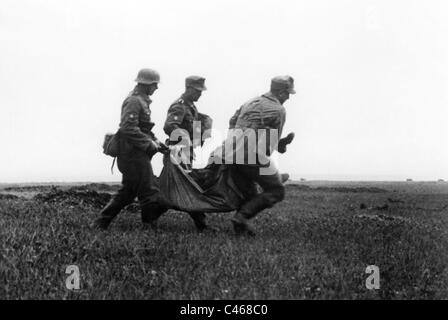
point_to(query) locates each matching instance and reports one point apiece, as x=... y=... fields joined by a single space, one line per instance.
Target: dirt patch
x=98 y=187
x=8 y=197
x=36 y=188
x=48 y=188
x=80 y=196
x=74 y=196
x=383 y=218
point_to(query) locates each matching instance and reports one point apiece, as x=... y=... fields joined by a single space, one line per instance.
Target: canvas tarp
x=211 y=189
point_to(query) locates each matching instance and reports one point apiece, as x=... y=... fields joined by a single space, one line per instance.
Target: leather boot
x=108 y=213
x=252 y=207
x=199 y=222
x=150 y=213
x=241 y=225
x=152 y=226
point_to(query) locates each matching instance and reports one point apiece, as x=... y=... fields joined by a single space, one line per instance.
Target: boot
x=107 y=215
x=241 y=225
x=150 y=213
x=252 y=207
x=199 y=222
x=152 y=226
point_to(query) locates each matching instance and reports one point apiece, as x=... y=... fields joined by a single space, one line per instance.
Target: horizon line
x=289 y=180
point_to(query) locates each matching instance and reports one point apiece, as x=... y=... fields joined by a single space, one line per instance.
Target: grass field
x=316 y=244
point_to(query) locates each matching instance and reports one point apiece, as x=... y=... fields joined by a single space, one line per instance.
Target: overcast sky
x=371 y=78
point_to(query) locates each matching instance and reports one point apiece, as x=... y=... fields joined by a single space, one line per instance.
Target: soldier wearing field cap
x=137 y=146
x=182 y=114
x=179 y=126
x=183 y=111
x=263 y=112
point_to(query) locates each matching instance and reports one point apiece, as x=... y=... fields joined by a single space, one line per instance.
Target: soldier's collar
x=270 y=96
x=190 y=103
x=139 y=92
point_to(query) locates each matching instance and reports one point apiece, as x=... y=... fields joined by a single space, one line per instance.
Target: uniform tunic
x=134 y=160
x=244 y=156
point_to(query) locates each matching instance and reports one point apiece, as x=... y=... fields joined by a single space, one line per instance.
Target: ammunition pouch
x=111 y=144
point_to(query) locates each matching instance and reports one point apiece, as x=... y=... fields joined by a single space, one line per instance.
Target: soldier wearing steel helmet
x=263 y=112
x=137 y=146
x=179 y=123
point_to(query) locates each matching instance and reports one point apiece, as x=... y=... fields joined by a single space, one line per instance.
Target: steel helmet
x=147 y=76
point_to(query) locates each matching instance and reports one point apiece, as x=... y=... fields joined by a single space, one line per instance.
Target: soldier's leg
x=151 y=201
x=123 y=197
x=273 y=192
x=199 y=219
x=151 y=212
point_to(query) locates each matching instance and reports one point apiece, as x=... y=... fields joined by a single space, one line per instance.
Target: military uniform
x=180 y=118
x=181 y=115
x=134 y=162
x=264 y=112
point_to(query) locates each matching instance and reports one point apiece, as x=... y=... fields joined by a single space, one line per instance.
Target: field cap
x=283 y=83
x=196 y=82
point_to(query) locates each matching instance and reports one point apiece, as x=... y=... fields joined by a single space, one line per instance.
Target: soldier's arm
x=159 y=144
x=206 y=121
x=151 y=134
x=174 y=118
x=232 y=121
x=206 y=127
x=129 y=128
x=173 y=121
x=282 y=116
x=286 y=140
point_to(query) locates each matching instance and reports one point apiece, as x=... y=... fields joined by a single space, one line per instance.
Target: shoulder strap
x=112 y=167
x=180 y=100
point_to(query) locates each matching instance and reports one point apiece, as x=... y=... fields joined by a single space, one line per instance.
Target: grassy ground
x=316 y=244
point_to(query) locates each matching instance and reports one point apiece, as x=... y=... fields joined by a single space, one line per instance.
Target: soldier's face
x=152 y=88
x=195 y=94
x=283 y=96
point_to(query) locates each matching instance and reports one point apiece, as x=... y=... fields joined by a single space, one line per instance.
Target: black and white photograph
x=241 y=152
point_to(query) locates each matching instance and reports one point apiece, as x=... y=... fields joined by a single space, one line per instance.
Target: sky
x=371 y=80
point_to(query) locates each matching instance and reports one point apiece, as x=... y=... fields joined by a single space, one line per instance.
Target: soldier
x=264 y=112
x=137 y=146
x=179 y=121
x=181 y=116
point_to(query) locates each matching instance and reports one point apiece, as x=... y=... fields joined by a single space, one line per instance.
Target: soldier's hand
x=152 y=148
x=282 y=148
x=163 y=148
x=289 y=138
x=284 y=142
